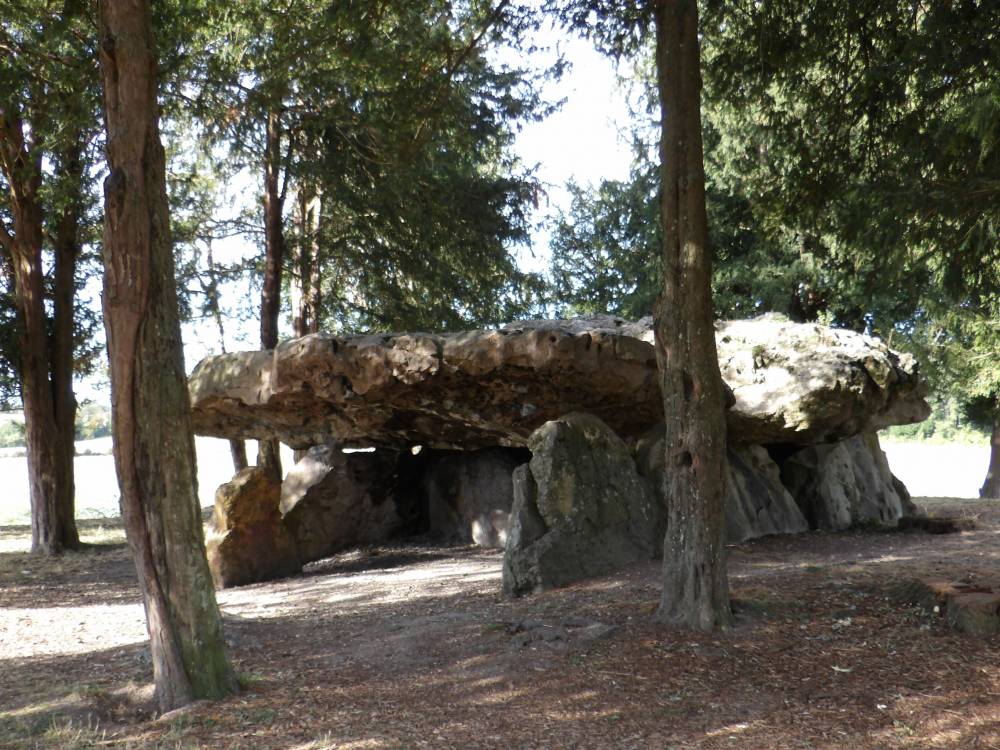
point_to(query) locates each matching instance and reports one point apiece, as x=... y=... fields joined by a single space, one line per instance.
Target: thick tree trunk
x=695 y=584
x=991 y=487
x=268 y=456
x=42 y=439
x=43 y=389
x=153 y=443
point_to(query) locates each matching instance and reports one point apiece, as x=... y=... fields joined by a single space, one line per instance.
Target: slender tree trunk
x=991 y=487
x=67 y=250
x=695 y=584
x=153 y=442
x=268 y=456
x=312 y=288
x=306 y=318
x=237 y=448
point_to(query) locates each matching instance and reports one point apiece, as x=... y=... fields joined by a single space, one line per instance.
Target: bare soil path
x=412 y=646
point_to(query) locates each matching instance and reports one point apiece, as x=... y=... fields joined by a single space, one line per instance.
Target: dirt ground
x=411 y=646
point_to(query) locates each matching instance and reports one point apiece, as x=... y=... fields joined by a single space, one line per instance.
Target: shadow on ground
x=407 y=646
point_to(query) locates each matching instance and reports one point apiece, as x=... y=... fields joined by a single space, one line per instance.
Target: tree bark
x=991 y=487
x=237 y=448
x=67 y=250
x=695 y=584
x=268 y=455
x=153 y=442
x=42 y=439
x=44 y=387
x=306 y=318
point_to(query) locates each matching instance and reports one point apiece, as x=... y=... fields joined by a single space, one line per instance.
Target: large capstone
x=580 y=508
x=807 y=383
x=793 y=384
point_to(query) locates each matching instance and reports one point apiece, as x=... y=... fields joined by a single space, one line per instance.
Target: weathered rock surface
x=792 y=383
x=249 y=543
x=331 y=500
x=580 y=508
x=844 y=483
x=806 y=383
x=470 y=493
x=467 y=390
x=757 y=503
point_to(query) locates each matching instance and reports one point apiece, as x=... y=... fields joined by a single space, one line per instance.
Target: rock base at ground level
x=845 y=483
x=757 y=503
x=248 y=542
x=967 y=607
x=469 y=494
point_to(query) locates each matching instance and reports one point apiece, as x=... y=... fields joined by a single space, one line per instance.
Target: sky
x=583 y=141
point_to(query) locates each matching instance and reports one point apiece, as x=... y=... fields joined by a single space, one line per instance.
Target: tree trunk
x=67 y=250
x=43 y=389
x=312 y=289
x=153 y=443
x=237 y=448
x=268 y=456
x=306 y=318
x=991 y=487
x=695 y=584
x=42 y=439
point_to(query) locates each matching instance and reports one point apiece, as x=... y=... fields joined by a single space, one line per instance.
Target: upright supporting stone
x=249 y=542
x=470 y=493
x=840 y=484
x=580 y=508
x=333 y=500
x=757 y=503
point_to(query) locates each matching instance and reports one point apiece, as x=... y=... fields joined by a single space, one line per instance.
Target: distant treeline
x=92 y=421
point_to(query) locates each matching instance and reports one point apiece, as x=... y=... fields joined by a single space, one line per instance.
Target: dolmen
x=544 y=438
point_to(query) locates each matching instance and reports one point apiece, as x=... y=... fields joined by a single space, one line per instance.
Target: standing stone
x=757 y=503
x=331 y=500
x=249 y=543
x=580 y=508
x=840 y=484
x=469 y=494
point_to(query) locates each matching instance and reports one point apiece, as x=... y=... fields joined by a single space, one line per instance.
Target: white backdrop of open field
x=96 y=484
x=928 y=470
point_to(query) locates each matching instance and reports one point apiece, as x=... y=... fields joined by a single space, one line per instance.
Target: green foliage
x=92 y=421
x=11 y=433
x=48 y=95
x=948 y=423
x=402 y=123
x=853 y=177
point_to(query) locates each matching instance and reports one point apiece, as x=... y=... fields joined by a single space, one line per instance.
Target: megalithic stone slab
x=791 y=383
